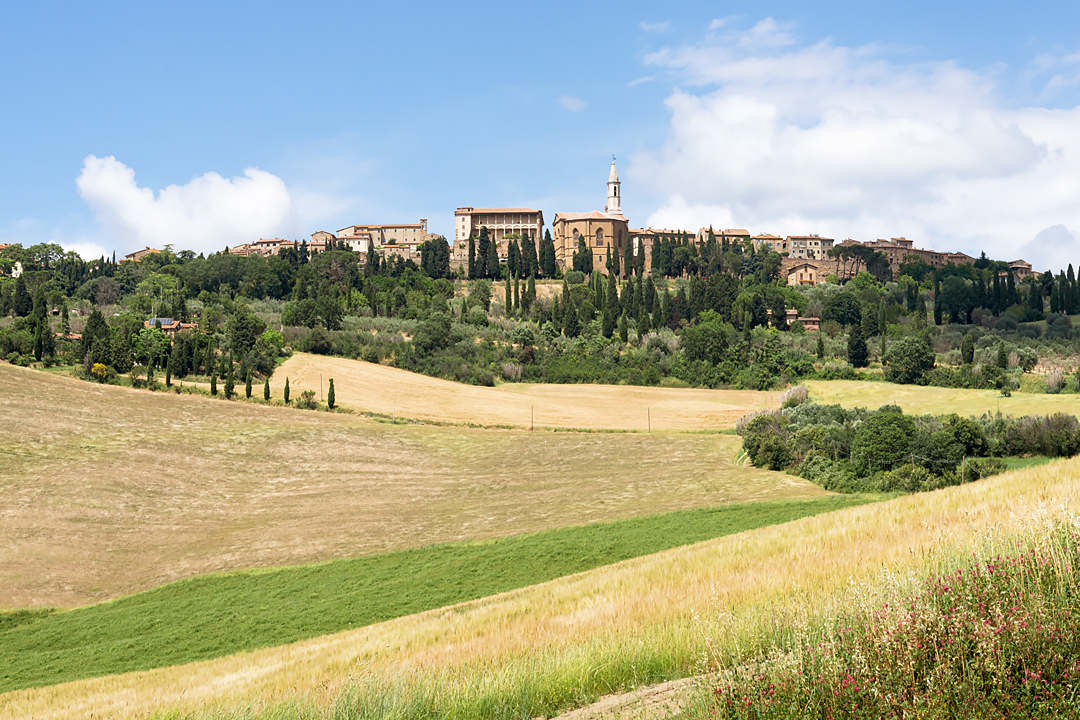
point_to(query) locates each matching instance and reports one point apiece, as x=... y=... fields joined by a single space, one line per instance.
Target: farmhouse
x=805 y=273
x=139 y=254
x=169 y=326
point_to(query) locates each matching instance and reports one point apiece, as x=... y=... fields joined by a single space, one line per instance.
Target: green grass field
x=215 y=615
x=923 y=399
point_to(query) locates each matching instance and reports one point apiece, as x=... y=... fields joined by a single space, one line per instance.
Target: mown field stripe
x=215 y=615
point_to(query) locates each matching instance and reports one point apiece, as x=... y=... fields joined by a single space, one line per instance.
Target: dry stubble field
x=381 y=389
x=107 y=490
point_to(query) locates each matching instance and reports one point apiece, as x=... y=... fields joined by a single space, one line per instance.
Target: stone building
x=810 y=247
x=603 y=231
x=502 y=225
x=1020 y=269
x=773 y=242
x=899 y=250
x=806 y=273
x=388 y=234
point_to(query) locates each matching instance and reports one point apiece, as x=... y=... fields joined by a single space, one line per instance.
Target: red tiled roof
x=492 y=211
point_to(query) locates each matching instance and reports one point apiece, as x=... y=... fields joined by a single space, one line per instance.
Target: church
x=603 y=231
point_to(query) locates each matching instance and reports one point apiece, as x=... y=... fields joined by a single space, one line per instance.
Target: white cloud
x=641 y=80
x=655 y=27
x=206 y=214
x=784 y=136
x=571 y=103
x=717 y=23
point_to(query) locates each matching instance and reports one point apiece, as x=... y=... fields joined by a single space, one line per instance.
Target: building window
x=599 y=237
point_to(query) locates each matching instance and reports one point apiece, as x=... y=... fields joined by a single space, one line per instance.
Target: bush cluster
x=887 y=451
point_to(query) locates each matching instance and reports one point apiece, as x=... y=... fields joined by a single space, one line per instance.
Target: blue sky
x=949 y=125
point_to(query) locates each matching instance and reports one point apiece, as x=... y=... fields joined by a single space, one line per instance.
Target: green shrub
x=307 y=400
x=908 y=360
x=882 y=441
x=574 y=277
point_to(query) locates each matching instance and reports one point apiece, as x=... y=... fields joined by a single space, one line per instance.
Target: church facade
x=604 y=232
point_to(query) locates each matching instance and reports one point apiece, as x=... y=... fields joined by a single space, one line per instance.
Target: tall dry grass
x=552 y=646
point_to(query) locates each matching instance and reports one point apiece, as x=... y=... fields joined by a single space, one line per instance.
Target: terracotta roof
x=491 y=211
x=735 y=231
x=766 y=236
x=594 y=215
x=386 y=225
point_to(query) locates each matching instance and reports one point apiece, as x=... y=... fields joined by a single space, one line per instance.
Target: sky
x=212 y=124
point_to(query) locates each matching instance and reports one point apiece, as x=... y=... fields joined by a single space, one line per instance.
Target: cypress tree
x=547 y=255
x=881 y=327
x=230 y=380
x=509 y=296
x=530 y=292
x=65 y=320
x=247 y=385
x=23 y=302
x=628 y=257
x=286 y=391
x=330 y=399
x=482 y=253
x=857 y=353
x=472 y=258
x=611 y=308
x=937 y=302
x=613 y=261
x=213 y=382
x=967 y=349
x=168 y=374
x=1002 y=356
x=517 y=295
x=639 y=259
x=820 y=346
x=266 y=389
x=624 y=331
x=571 y=326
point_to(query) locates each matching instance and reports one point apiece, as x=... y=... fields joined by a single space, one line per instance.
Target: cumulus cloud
x=206 y=214
x=655 y=27
x=571 y=103
x=785 y=136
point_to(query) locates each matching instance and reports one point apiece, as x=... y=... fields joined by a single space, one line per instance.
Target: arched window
x=576 y=233
x=599 y=237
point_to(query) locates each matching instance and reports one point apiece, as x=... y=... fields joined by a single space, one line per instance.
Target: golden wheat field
x=676 y=611
x=385 y=390
x=106 y=490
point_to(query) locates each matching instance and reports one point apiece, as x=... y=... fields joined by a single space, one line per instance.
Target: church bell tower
x=614 y=193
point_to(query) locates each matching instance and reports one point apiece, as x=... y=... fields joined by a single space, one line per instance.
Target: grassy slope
x=216 y=615
x=920 y=399
x=112 y=491
x=561 y=644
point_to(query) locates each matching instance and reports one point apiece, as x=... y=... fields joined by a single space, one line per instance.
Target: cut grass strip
x=216 y=615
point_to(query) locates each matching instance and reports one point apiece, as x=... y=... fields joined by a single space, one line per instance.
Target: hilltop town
x=807 y=259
